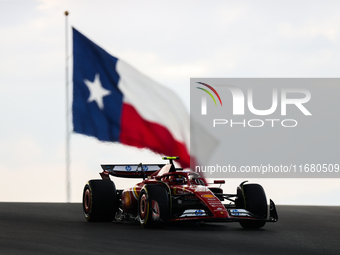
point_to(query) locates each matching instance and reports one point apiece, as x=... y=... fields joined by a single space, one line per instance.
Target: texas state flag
x=114 y=102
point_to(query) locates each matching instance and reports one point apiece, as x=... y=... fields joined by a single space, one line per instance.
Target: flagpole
x=67 y=149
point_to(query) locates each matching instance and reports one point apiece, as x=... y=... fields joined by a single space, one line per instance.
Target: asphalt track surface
x=46 y=228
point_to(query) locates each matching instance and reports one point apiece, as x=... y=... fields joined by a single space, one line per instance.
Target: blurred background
x=169 y=41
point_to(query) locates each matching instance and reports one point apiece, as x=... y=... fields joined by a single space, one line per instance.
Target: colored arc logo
x=209 y=92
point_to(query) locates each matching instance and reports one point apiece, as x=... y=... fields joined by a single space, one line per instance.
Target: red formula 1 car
x=169 y=194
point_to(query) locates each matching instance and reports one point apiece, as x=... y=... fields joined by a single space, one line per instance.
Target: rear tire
x=154 y=205
x=252 y=198
x=100 y=201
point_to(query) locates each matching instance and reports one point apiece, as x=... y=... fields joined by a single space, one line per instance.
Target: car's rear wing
x=132 y=171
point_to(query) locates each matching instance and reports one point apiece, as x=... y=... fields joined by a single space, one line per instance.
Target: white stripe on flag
x=154 y=102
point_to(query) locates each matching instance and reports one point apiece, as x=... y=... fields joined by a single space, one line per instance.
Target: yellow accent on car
x=170 y=157
x=127 y=199
x=135 y=194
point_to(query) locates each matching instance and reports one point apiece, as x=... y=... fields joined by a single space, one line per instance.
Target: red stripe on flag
x=135 y=131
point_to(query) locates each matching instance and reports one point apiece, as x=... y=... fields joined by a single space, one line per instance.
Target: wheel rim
x=143 y=207
x=87 y=201
x=155 y=210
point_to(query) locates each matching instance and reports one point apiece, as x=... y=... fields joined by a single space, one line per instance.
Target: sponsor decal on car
x=133 y=168
x=207 y=195
x=201 y=188
x=199 y=212
x=193 y=213
x=215 y=204
x=239 y=212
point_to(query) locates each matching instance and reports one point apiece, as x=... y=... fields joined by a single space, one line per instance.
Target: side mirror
x=219 y=181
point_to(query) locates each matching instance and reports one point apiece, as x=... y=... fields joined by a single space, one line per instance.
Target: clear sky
x=170 y=41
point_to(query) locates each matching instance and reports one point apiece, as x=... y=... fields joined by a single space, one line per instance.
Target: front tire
x=100 y=201
x=154 y=205
x=252 y=198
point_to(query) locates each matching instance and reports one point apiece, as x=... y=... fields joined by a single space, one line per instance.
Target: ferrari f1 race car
x=169 y=194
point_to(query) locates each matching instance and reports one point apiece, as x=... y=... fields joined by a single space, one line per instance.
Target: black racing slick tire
x=100 y=202
x=153 y=205
x=253 y=198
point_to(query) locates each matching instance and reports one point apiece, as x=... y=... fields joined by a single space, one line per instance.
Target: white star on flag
x=97 y=92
